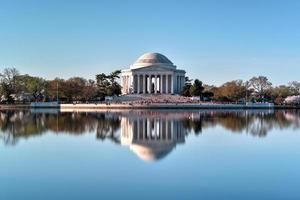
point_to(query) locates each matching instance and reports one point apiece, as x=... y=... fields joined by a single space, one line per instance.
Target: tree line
x=257 y=89
x=17 y=87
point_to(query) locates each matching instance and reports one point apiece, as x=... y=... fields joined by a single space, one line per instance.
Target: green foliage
x=34 y=85
x=197 y=88
x=186 y=88
x=107 y=85
x=281 y=91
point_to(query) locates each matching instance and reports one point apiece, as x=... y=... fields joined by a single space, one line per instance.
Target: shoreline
x=146 y=106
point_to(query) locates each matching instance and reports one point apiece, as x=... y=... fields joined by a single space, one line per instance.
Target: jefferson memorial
x=152 y=73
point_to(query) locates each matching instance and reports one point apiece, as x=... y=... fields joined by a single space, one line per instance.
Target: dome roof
x=153 y=58
x=149 y=59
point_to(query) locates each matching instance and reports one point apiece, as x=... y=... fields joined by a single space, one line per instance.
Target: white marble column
x=130 y=84
x=180 y=87
x=155 y=84
x=125 y=84
x=167 y=84
x=138 y=84
x=149 y=84
x=177 y=84
x=144 y=84
x=122 y=84
x=133 y=83
x=182 y=81
x=160 y=84
x=172 y=84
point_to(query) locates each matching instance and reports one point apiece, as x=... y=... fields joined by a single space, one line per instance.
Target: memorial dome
x=149 y=59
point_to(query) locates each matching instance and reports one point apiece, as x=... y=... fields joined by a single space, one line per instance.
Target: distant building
x=152 y=73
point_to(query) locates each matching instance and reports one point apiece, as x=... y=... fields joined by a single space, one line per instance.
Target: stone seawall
x=165 y=106
x=91 y=106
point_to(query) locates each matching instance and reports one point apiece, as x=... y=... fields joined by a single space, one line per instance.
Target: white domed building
x=152 y=73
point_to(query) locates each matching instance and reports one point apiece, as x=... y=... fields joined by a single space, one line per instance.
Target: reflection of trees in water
x=24 y=124
x=233 y=121
x=17 y=124
x=256 y=123
x=108 y=127
x=195 y=125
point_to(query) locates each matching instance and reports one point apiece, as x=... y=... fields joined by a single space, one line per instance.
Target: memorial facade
x=152 y=73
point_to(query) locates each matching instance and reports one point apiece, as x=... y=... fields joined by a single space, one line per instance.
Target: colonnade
x=153 y=83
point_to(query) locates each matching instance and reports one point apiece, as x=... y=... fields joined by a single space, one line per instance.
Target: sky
x=213 y=40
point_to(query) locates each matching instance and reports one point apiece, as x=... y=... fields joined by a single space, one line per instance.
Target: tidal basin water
x=150 y=154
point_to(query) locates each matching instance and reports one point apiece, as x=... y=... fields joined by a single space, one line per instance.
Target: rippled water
x=150 y=154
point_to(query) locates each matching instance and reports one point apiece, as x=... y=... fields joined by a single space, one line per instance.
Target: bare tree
x=8 y=82
x=260 y=84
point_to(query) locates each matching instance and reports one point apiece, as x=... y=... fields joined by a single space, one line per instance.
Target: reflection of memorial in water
x=151 y=138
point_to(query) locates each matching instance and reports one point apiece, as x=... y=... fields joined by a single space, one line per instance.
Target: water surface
x=150 y=154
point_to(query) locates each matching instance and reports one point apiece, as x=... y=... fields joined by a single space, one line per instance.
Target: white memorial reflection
x=151 y=137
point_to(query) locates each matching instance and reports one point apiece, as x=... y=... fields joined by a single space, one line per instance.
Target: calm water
x=208 y=154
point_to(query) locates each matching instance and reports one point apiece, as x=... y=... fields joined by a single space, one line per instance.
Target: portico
x=152 y=73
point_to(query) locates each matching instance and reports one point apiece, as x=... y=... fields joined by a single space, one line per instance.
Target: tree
x=8 y=80
x=74 y=88
x=282 y=91
x=107 y=84
x=36 y=86
x=186 y=88
x=231 y=91
x=197 y=88
x=90 y=91
x=9 y=76
x=6 y=91
x=260 y=84
x=115 y=87
x=208 y=95
x=102 y=84
x=114 y=75
x=295 y=87
x=55 y=89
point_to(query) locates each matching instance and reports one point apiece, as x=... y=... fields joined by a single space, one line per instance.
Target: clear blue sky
x=215 y=41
